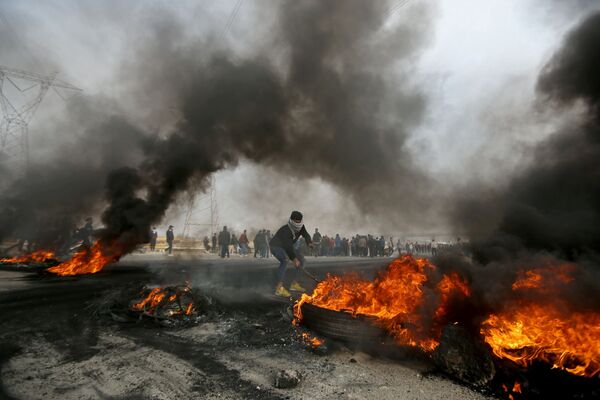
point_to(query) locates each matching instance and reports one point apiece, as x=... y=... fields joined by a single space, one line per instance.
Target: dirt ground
x=54 y=344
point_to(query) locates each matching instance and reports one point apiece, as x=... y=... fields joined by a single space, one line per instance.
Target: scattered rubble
x=287 y=379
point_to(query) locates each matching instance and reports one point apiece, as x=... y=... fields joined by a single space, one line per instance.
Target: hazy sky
x=478 y=72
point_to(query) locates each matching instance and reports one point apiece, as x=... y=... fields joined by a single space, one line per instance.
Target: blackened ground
x=58 y=342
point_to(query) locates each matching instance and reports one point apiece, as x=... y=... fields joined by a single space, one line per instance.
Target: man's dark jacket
x=170 y=236
x=285 y=239
x=224 y=238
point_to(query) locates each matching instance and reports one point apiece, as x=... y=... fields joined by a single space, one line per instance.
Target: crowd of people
x=226 y=243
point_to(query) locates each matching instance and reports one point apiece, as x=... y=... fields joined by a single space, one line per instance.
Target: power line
x=232 y=16
x=393 y=9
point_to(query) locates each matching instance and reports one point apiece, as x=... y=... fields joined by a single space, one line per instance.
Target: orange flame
x=516 y=387
x=312 y=341
x=87 y=261
x=393 y=299
x=158 y=297
x=526 y=330
x=525 y=333
x=36 y=256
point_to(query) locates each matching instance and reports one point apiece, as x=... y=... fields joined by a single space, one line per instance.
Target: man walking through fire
x=282 y=247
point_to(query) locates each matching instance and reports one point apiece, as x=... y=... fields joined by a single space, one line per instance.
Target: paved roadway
x=18 y=288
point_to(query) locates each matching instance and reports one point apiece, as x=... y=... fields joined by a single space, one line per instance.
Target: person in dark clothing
x=170 y=239
x=214 y=243
x=153 y=238
x=264 y=244
x=243 y=244
x=282 y=247
x=224 y=242
x=258 y=240
x=206 y=243
x=234 y=243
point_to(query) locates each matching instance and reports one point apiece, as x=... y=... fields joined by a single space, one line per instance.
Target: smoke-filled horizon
x=330 y=94
x=324 y=111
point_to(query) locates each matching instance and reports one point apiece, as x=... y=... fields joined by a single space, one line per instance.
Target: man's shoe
x=295 y=286
x=281 y=291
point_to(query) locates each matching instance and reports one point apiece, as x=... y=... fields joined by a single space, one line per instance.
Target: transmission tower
x=14 y=140
x=192 y=218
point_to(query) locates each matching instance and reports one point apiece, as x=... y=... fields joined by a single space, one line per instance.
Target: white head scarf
x=295 y=227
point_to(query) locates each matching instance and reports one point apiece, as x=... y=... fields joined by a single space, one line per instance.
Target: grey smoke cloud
x=329 y=111
x=553 y=205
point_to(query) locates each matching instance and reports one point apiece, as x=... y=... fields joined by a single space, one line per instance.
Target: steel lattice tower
x=14 y=140
x=210 y=196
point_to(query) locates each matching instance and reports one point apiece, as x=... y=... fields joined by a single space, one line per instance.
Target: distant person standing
x=317 y=242
x=153 y=238
x=362 y=245
x=258 y=239
x=214 y=242
x=337 y=245
x=206 y=243
x=170 y=238
x=243 y=241
x=234 y=243
x=267 y=241
x=224 y=241
x=264 y=244
x=434 y=247
x=282 y=248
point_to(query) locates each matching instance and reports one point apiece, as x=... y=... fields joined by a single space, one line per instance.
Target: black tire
x=341 y=325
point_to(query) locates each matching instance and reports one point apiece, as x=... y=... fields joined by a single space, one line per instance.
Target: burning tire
x=341 y=325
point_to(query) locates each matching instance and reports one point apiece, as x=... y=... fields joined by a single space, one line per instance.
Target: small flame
x=159 y=297
x=36 y=256
x=88 y=261
x=516 y=387
x=312 y=341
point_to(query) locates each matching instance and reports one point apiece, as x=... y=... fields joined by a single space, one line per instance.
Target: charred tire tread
x=340 y=325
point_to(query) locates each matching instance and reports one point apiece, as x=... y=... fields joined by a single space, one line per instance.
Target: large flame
x=88 y=261
x=529 y=329
x=534 y=324
x=36 y=256
x=394 y=299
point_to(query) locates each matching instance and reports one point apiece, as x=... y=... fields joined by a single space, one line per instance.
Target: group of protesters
x=226 y=243
x=358 y=245
x=432 y=248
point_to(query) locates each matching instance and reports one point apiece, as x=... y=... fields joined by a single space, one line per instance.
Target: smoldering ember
x=316 y=199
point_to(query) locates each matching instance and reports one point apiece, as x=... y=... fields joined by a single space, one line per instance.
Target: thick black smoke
x=328 y=110
x=554 y=204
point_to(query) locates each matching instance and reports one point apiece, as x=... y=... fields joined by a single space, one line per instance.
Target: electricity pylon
x=209 y=196
x=14 y=140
